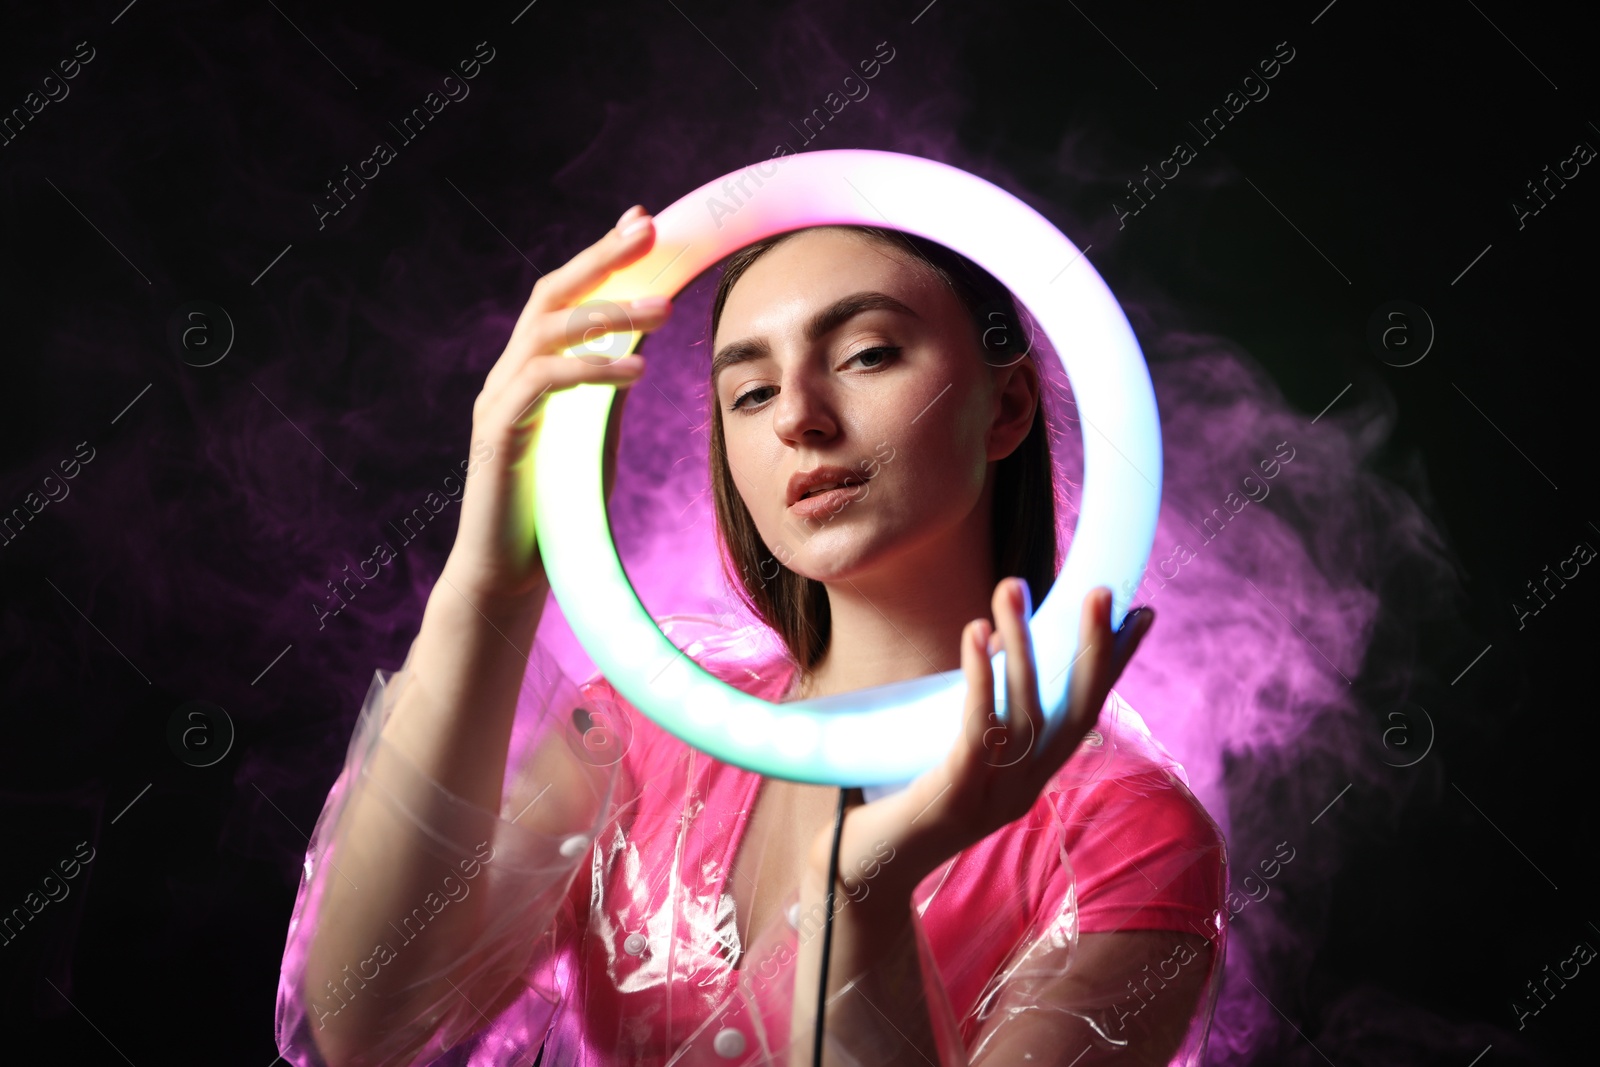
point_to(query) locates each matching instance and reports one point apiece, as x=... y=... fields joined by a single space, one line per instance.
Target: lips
x=830 y=485
x=819 y=480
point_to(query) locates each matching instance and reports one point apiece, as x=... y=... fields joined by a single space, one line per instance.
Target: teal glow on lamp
x=887 y=734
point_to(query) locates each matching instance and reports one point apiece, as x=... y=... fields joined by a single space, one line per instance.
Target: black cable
x=827 y=930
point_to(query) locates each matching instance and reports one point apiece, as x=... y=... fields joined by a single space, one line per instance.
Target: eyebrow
x=820 y=325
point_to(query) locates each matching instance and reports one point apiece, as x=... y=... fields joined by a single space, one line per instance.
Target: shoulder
x=1140 y=849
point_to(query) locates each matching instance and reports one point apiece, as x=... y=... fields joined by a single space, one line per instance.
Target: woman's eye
x=883 y=352
x=878 y=355
x=738 y=401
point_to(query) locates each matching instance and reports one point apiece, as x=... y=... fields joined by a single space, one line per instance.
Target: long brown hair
x=1024 y=501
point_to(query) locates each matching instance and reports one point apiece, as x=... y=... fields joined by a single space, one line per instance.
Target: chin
x=837 y=554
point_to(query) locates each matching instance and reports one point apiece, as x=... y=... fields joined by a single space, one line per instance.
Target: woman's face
x=835 y=350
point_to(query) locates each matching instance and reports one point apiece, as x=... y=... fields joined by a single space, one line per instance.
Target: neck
x=906 y=621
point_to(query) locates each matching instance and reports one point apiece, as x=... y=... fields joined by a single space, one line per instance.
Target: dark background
x=187 y=155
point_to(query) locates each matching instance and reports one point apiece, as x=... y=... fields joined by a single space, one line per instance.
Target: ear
x=1016 y=400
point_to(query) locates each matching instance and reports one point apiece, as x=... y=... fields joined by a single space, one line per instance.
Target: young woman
x=515 y=869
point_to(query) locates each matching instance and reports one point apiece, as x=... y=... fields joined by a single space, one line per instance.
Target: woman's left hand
x=993 y=775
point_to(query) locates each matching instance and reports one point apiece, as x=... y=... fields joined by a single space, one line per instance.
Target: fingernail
x=628 y=214
x=1021 y=596
x=649 y=304
x=635 y=227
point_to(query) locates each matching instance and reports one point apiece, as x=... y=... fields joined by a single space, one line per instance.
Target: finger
x=1130 y=635
x=1024 y=719
x=599 y=330
x=519 y=403
x=979 y=713
x=576 y=278
x=1091 y=675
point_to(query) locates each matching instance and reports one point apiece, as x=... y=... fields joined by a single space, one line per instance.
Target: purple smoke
x=1262 y=674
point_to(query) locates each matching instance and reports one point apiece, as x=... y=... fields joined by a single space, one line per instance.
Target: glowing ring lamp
x=886 y=735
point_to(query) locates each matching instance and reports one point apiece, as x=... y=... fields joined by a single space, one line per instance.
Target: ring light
x=885 y=734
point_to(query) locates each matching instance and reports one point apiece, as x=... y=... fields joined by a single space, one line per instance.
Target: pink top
x=633 y=953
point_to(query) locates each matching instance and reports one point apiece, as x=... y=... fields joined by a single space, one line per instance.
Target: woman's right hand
x=494 y=558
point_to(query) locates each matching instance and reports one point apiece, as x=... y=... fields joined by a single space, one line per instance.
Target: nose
x=802 y=412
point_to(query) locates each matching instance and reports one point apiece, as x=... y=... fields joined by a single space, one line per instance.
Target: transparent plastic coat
x=606 y=933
